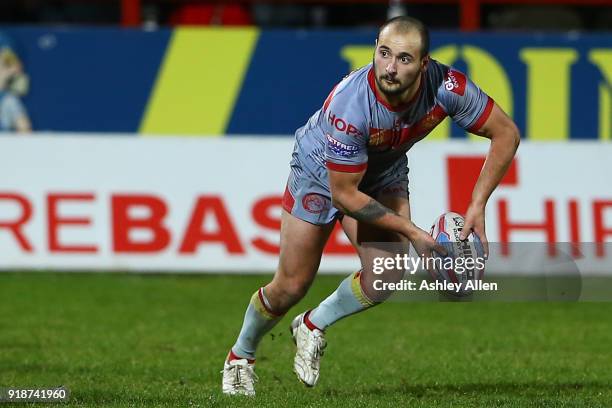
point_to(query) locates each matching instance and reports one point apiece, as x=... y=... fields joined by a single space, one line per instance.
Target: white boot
x=310 y=345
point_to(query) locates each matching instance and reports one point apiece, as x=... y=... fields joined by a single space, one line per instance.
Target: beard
x=395 y=88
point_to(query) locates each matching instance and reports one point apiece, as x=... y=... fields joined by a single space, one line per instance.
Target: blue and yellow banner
x=247 y=81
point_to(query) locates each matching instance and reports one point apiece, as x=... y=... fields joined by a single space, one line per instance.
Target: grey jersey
x=356 y=130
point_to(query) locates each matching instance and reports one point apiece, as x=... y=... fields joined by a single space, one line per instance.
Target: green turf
x=132 y=340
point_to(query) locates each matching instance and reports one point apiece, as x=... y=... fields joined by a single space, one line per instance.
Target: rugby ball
x=461 y=270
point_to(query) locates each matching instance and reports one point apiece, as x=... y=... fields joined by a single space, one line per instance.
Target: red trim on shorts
x=347 y=168
x=379 y=98
x=311 y=326
x=483 y=116
x=231 y=356
x=288 y=200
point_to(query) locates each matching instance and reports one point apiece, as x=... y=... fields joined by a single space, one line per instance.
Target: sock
x=346 y=300
x=258 y=320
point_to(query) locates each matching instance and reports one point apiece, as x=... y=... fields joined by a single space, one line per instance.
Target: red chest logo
x=383 y=139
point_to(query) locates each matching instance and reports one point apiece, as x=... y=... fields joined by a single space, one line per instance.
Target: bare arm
x=505 y=139
x=362 y=207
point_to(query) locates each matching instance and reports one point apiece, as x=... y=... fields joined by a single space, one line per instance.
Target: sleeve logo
x=455 y=82
x=341 y=149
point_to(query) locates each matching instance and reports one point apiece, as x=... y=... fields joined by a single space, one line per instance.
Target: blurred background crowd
x=591 y=15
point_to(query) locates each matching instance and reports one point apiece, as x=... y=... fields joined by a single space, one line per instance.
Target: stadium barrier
x=212 y=205
x=555 y=86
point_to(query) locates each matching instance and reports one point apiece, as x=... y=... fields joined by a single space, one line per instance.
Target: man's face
x=398 y=61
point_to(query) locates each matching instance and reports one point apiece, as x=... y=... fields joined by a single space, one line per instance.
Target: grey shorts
x=308 y=197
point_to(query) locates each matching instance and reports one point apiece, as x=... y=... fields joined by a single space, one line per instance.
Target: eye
x=384 y=53
x=405 y=60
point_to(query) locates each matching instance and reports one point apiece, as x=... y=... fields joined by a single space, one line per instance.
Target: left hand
x=475 y=222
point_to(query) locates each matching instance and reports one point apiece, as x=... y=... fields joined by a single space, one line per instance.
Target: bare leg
x=301 y=247
x=356 y=293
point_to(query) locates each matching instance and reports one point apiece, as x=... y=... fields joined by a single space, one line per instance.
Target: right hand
x=425 y=245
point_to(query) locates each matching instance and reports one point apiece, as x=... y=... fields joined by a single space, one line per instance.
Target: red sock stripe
x=231 y=356
x=308 y=323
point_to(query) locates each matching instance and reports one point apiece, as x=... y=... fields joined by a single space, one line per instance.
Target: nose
x=391 y=68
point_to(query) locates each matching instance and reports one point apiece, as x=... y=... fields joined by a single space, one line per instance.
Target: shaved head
x=408 y=25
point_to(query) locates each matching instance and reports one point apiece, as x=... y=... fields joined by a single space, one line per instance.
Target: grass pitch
x=133 y=340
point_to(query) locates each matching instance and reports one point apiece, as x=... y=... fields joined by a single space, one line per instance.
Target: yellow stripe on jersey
x=199 y=81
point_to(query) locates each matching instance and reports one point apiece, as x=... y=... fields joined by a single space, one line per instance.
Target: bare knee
x=369 y=287
x=285 y=293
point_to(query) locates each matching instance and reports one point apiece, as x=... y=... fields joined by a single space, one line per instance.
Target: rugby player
x=349 y=165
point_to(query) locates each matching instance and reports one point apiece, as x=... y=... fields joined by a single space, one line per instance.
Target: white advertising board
x=100 y=202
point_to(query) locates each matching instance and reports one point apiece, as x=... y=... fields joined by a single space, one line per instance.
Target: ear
x=374 y=52
x=424 y=63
